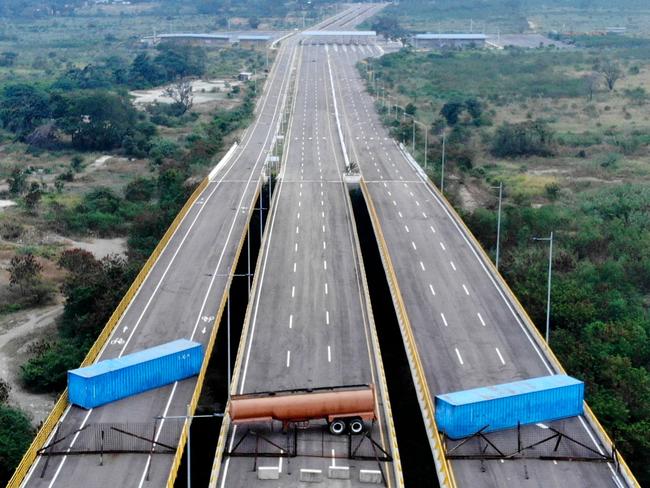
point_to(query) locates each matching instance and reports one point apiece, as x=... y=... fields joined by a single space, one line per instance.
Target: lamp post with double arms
x=550 y=270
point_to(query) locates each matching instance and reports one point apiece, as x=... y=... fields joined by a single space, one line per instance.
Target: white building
x=448 y=41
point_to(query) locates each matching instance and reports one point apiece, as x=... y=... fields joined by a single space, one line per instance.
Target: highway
x=179 y=298
x=310 y=323
x=467 y=330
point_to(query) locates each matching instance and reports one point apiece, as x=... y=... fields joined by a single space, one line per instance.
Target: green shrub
x=16 y=434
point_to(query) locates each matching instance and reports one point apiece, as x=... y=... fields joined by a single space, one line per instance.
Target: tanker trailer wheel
x=337 y=427
x=356 y=426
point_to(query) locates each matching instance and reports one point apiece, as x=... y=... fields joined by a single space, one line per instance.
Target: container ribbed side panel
x=115 y=379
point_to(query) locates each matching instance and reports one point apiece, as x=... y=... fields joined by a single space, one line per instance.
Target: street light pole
x=500 y=187
x=442 y=170
x=188 y=418
x=413 y=136
x=550 y=270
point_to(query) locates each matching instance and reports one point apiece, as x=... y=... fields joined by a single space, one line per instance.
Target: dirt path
x=17 y=332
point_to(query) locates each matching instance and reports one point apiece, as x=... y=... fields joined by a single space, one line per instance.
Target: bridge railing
x=50 y=423
x=445 y=473
x=521 y=313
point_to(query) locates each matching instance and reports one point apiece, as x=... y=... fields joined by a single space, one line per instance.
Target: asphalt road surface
x=179 y=299
x=309 y=324
x=465 y=327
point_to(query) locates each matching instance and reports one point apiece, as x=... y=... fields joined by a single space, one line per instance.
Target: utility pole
x=228 y=334
x=413 y=137
x=442 y=170
x=500 y=187
x=550 y=270
x=187 y=418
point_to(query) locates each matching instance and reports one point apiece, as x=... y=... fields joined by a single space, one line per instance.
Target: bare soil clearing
x=17 y=332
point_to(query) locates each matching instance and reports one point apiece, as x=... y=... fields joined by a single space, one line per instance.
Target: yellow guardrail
x=173 y=472
x=445 y=473
x=528 y=322
x=383 y=384
x=59 y=408
x=225 y=425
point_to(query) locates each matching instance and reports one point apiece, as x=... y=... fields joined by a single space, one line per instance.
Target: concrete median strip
x=311 y=475
x=338 y=472
x=370 y=476
x=268 y=473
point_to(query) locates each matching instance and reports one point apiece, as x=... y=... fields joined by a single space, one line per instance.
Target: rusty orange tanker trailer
x=343 y=407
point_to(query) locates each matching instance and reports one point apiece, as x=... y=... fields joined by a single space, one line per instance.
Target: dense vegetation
x=16 y=434
x=92 y=288
x=600 y=324
x=244 y=8
x=519 y=123
x=512 y=16
x=74 y=112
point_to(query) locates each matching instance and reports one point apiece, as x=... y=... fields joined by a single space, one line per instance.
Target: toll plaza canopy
x=339 y=37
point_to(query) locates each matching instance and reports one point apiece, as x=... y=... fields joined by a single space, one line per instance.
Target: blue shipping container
x=113 y=379
x=499 y=407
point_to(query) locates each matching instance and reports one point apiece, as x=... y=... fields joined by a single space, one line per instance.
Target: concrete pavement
x=309 y=321
x=466 y=328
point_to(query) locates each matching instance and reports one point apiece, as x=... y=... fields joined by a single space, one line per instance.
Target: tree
x=410 y=109
x=181 y=93
x=523 y=139
x=143 y=72
x=23 y=108
x=96 y=120
x=254 y=22
x=8 y=58
x=474 y=108
x=140 y=190
x=611 y=73
x=79 y=261
x=451 y=111
x=592 y=83
x=33 y=196
x=24 y=272
x=389 y=28
x=77 y=163
x=17 y=181
x=16 y=433
x=180 y=61
x=5 y=388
